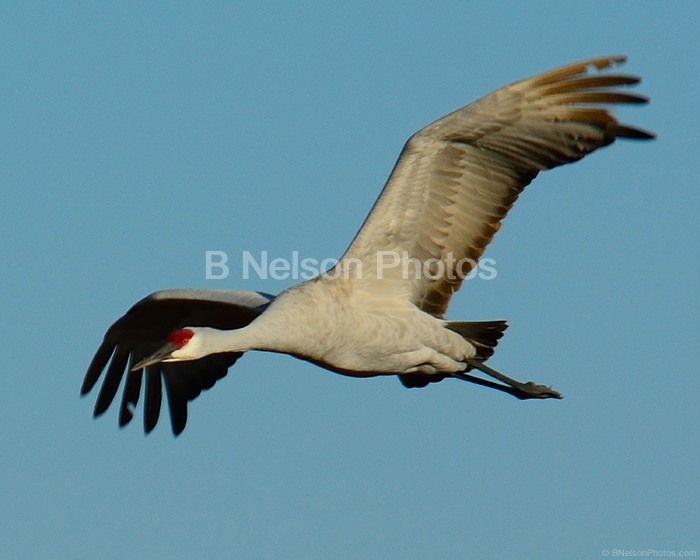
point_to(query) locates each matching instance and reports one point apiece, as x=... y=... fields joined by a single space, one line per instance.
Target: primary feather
x=457 y=178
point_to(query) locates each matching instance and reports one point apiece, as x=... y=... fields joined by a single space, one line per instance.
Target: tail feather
x=484 y=335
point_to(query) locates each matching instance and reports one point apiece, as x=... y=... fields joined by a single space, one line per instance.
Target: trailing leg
x=523 y=391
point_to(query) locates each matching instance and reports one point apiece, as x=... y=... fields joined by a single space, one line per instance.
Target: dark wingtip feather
x=112 y=380
x=632 y=133
x=98 y=363
x=130 y=397
x=177 y=402
x=154 y=398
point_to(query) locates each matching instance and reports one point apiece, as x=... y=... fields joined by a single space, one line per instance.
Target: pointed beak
x=158 y=356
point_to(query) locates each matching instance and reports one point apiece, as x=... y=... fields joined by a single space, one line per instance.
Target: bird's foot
x=532 y=390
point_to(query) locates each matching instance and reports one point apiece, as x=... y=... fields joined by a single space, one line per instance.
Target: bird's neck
x=258 y=335
x=291 y=324
x=238 y=340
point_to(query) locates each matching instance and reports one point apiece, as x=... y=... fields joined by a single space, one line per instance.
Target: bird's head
x=183 y=344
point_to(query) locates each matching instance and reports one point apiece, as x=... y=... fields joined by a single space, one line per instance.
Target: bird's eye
x=181 y=337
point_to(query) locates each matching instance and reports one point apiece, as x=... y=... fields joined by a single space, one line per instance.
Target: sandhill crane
x=451 y=187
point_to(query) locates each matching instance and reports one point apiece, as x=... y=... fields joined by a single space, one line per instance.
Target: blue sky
x=137 y=136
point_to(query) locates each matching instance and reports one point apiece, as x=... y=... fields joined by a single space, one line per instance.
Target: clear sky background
x=136 y=136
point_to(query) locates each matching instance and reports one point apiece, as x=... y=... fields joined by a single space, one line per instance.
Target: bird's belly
x=351 y=335
x=366 y=344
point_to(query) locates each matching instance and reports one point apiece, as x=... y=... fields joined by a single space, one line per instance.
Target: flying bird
x=380 y=310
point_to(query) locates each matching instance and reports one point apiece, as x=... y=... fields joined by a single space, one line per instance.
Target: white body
x=332 y=322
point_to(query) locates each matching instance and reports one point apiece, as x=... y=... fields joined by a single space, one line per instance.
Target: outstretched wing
x=145 y=328
x=457 y=178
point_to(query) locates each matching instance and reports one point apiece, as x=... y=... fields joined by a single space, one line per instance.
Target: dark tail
x=484 y=335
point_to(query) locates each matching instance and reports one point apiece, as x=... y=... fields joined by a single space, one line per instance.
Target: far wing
x=457 y=178
x=145 y=328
